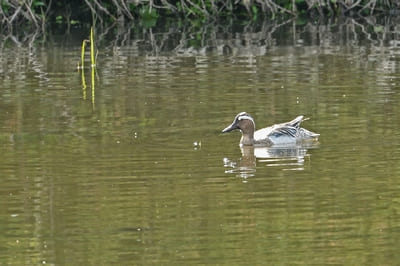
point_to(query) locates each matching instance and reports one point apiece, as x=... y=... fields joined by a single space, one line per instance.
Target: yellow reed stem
x=83 y=84
x=83 y=69
x=83 y=53
x=92 y=47
x=93 y=87
x=93 y=65
x=92 y=59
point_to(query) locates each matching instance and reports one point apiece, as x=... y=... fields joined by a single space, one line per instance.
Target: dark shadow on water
x=232 y=38
x=254 y=39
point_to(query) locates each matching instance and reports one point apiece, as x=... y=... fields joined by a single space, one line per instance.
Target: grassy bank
x=41 y=13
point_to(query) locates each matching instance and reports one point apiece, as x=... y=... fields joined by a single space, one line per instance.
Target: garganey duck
x=280 y=134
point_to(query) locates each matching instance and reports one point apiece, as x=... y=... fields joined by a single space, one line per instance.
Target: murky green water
x=139 y=173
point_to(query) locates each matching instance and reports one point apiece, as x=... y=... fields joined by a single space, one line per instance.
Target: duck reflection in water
x=290 y=157
x=282 y=145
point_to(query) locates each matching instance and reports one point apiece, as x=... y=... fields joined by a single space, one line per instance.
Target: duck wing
x=284 y=132
x=280 y=133
x=286 y=129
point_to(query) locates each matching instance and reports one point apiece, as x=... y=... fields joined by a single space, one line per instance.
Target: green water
x=120 y=177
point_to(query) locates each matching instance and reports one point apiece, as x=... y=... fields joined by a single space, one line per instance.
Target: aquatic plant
x=93 y=65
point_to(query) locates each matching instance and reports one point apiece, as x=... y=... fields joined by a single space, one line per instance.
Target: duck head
x=245 y=123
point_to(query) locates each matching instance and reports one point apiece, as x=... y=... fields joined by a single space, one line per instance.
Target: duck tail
x=304 y=133
x=307 y=134
x=296 y=122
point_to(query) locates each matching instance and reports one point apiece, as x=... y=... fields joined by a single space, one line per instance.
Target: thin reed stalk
x=93 y=65
x=92 y=55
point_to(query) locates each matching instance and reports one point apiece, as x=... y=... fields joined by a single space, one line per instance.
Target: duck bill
x=231 y=127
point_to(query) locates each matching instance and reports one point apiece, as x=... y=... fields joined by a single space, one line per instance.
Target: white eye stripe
x=244 y=117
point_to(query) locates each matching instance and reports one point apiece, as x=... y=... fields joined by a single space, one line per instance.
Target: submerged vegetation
x=39 y=14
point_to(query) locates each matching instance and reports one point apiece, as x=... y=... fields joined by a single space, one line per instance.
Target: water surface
x=136 y=171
